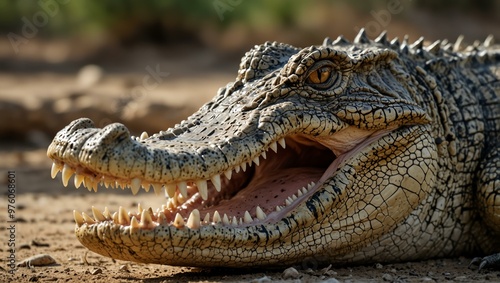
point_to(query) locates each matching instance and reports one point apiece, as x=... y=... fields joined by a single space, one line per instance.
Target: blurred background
x=149 y=64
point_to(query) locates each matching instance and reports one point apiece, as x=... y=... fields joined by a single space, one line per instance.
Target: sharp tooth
x=79 y=180
x=216 y=182
x=282 y=142
x=193 y=221
x=304 y=191
x=106 y=213
x=294 y=197
x=256 y=161
x=162 y=219
x=146 y=220
x=87 y=218
x=228 y=174
x=264 y=155
x=144 y=136
x=274 y=146
x=66 y=174
x=299 y=192
x=225 y=219
x=135 y=185
x=235 y=221
x=260 y=214
x=178 y=221
x=170 y=204
x=247 y=218
x=243 y=166
x=279 y=208
x=94 y=186
x=157 y=187
x=139 y=208
x=202 y=188
x=145 y=186
x=123 y=217
x=134 y=224
x=312 y=184
x=170 y=190
x=87 y=183
x=55 y=169
x=183 y=189
x=206 y=219
x=98 y=214
x=288 y=201
x=78 y=218
x=250 y=163
x=237 y=168
x=216 y=217
x=116 y=218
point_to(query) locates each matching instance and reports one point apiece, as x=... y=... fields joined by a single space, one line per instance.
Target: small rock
x=89 y=76
x=379 y=266
x=39 y=244
x=96 y=271
x=124 y=268
x=264 y=279
x=37 y=260
x=387 y=277
x=290 y=273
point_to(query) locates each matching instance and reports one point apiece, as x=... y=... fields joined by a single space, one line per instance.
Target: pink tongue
x=267 y=192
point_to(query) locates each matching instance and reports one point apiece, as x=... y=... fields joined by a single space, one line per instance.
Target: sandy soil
x=43 y=207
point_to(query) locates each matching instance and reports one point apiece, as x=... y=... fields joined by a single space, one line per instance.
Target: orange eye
x=320 y=76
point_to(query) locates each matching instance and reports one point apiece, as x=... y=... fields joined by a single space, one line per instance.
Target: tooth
x=225 y=219
x=183 y=189
x=279 y=208
x=161 y=218
x=78 y=218
x=216 y=217
x=206 y=219
x=256 y=161
x=55 y=169
x=235 y=221
x=264 y=155
x=216 y=182
x=116 y=218
x=144 y=136
x=282 y=142
x=228 y=174
x=98 y=214
x=139 y=208
x=260 y=214
x=145 y=186
x=202 y=188
x=134 y=224
x=106 y=213
x=193 y=221
x=247 y=218
x=274 y=146
x=123 y=217
x=170 y=204
x=288 y=201
x=135 y=185
x=79 y=180
x=244 y=166
x=178 y=221
x=294 y=197
x=66 y=174
x=170 y=189
x=250 y=163
x=304 y=191
x=146 y=220
x=299 y=192
x=87 y=218
x=94 y=186
x=237 y=168
x=311 y=185
x=157 y=187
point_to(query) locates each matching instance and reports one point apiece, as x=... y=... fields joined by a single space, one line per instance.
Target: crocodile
x=349 y=152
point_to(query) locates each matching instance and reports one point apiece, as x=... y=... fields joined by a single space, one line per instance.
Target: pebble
x=37 y=260
x=290 y=273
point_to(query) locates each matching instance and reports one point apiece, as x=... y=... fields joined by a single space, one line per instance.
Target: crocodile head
x=311 y=153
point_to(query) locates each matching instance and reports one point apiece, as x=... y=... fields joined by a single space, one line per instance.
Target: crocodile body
x=347 y=152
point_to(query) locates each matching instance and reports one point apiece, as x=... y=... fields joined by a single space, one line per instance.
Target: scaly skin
x=341 y=153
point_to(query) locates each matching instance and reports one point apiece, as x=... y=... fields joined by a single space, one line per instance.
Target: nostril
x=116 y=132
x=82 y=123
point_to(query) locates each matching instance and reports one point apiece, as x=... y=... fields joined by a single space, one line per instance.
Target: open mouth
x=257 y=191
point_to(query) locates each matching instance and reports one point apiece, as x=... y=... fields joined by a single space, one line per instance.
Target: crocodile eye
x=322 y=75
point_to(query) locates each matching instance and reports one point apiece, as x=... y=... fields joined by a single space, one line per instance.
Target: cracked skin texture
x=344 y=153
